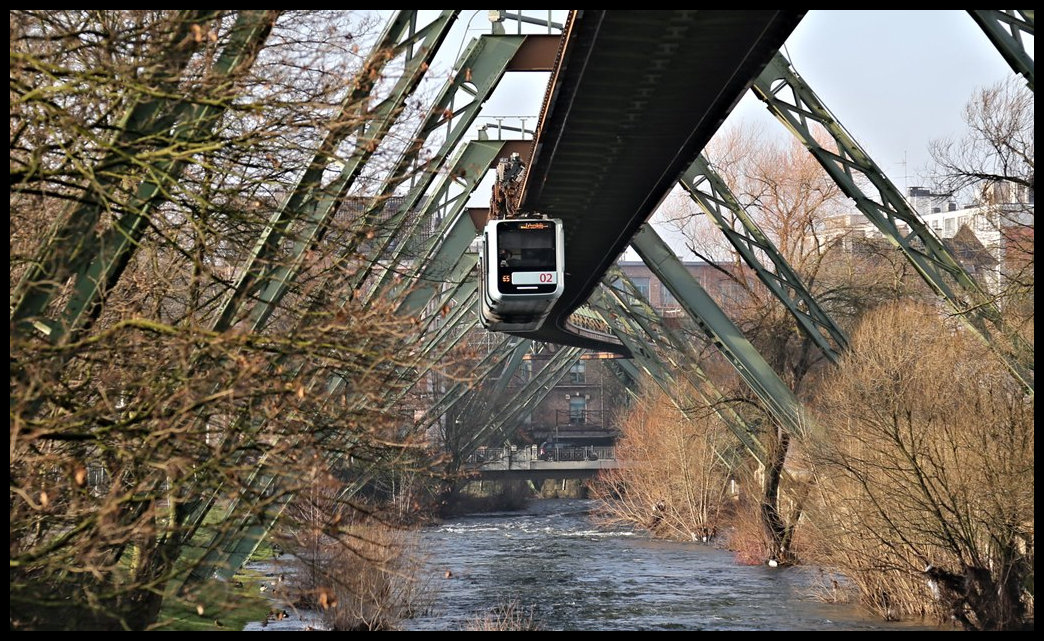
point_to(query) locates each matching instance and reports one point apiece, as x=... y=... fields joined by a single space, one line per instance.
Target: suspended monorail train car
x=523 y=272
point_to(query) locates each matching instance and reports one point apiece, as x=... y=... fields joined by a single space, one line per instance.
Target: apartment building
x=988 y=236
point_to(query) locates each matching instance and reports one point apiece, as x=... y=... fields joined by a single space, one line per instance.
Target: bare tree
x=993 y=164
x=676 y=481
x=150 y=150
x=925 y=472
x=791 y=198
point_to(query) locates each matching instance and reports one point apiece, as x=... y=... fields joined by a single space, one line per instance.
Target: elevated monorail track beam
x=633 y=101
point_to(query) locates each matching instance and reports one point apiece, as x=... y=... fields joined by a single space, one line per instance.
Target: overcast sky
x=894 y=79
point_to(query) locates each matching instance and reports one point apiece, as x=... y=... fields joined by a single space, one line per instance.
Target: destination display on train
x=536 y=225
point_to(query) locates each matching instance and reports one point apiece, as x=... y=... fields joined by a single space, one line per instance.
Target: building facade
x=987 y=236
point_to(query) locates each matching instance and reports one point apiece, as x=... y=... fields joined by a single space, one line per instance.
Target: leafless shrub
x=925 y=468
x=508 y=617
x=675 y=480
x=352 y=565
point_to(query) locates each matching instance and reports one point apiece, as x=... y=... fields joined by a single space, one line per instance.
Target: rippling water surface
x=552 y=561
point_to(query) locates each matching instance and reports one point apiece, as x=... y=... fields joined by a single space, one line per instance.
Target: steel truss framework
x=435 y=270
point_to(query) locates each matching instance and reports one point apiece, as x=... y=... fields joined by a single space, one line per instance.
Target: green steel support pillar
x=333 y=386
x=534 y=390
x=761 y=378
x=1005 y=28
x=629 y=323
x=713 y=196
x=456 y=392
x=448 y=335
x=478 y=72
x=443 y=262
x=797 y=107
x=307 y=209
x=460 y=317
x=621 y=311
x=626 y=372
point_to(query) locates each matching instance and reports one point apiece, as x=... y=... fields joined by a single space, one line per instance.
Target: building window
x=728 y=292
x=948 y=228
x=667 y=299
x=578 y=373
x=642 y=283
x=577 y=409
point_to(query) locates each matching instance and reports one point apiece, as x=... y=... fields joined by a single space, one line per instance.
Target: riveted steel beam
x=715 y=198
x=1005 y=29
x=627 y=327
x=451 y=331
x=438 y=116
x=453 y=394
x=791 y=100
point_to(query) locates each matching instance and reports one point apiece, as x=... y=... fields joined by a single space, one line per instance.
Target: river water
x=553 y=564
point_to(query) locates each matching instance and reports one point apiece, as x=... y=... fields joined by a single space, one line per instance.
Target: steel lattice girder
x=488 y=62
x=708 y=189
x=790 y=99
x=98 y=263
x=534 y=390
x=621 y=313
x=443 y=261
x=221 y=562
x=307 y=210
x=479 y=71
x=1009 y=40
x=761 y=378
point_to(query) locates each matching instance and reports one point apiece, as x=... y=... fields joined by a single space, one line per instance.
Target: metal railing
x=578 y=417
x=522 y=457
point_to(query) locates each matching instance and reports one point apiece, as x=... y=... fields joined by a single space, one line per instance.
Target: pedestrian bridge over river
x=524 y=464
